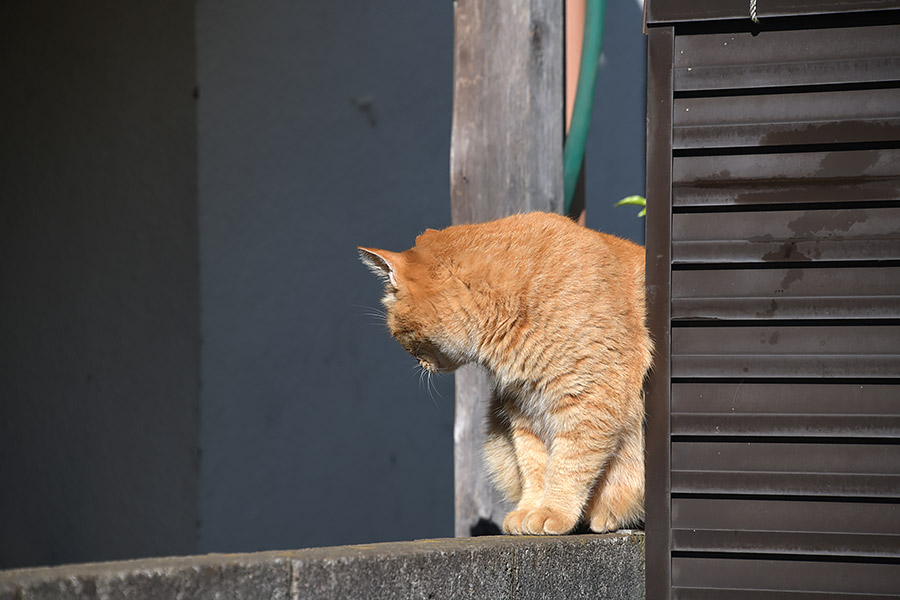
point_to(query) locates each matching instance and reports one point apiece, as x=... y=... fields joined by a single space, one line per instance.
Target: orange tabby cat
x=555 y=312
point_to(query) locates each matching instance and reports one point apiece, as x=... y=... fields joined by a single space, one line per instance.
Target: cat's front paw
x=548 y=521
x=512 y=524
x=604 y=523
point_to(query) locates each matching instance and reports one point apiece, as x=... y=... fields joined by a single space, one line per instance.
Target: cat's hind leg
x=499 y=453
x=500 y=459
x=617 y=500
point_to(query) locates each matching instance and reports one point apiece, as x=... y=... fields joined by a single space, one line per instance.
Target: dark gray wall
x=99 y=320
x=614 y=158
x=322 y=126
x=319 y=126
x=325 y=126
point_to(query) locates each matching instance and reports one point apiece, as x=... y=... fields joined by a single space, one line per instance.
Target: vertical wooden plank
x=505 y=158
x=507 y=133
x=479 y=508
x=659 y=260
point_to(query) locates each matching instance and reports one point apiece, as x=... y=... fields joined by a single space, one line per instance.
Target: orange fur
x=555 y=312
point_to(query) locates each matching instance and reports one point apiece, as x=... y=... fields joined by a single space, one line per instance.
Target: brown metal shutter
x=773 y=245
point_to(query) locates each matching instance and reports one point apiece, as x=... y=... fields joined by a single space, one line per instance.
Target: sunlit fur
x=555 y=312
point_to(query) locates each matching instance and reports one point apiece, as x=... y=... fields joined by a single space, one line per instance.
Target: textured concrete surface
x=583 y=566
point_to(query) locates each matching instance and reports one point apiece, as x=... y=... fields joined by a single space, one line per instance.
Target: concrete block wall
x=570 y=567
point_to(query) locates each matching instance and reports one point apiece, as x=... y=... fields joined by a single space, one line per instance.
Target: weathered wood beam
x=505 y=158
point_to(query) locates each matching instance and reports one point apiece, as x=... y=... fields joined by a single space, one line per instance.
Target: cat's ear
x=420 y=237
x=381 y=262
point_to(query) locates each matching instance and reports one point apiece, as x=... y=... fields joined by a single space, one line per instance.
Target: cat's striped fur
x=555 y=312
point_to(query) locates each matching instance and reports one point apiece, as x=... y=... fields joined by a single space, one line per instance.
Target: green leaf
x=634 y=201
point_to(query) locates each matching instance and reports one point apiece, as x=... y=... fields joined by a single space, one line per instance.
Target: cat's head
x=421 y=297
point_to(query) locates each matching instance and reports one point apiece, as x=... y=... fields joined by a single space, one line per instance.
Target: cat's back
x=551 y=244
x=545 y=259
x=540 y=238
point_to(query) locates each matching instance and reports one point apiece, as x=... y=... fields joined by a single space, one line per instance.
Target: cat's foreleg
x=577 y=454
x=531 y=458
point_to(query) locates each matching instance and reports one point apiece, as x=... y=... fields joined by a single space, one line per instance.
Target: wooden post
x=505 y=158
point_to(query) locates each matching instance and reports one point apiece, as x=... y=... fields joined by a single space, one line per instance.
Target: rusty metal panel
x=809 y=516
x=672 y=11
x=765 y=410
x=787 y=236
x=786 y=352
x=830 y=426
x=811 y=281
x=821 y=398
x=769 y=59
x=777 y=407
x=706 y=578
x=786 y=366
x=785 y=307
x=782 y=190
x=785 y=250
x=768 y=340
x=771 y=458
x=811 y=527
x=717 y=594
x=844 y=224
x=787 y=542
x=782 y=119
x=851 y=485
x=786 y=179
x=825 y=292
x=659 y=273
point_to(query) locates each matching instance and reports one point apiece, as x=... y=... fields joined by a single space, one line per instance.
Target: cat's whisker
x=437 y=391
x=375 y=313
x=430 y=385
x=421 y=379
x=367 y=307
x=434 y=386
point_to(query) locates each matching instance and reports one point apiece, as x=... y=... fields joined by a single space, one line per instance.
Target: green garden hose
x=573 y=151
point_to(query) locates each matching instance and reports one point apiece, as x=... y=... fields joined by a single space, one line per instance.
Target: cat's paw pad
x=603 y=521
x=512 y=524
x=547 y=521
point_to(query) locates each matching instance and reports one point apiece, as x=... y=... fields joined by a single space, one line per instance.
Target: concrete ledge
x=579 y=566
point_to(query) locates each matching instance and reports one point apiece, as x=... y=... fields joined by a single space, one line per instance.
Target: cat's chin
x=433 y=366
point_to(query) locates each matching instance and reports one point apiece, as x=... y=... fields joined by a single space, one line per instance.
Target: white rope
x=753 y=11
